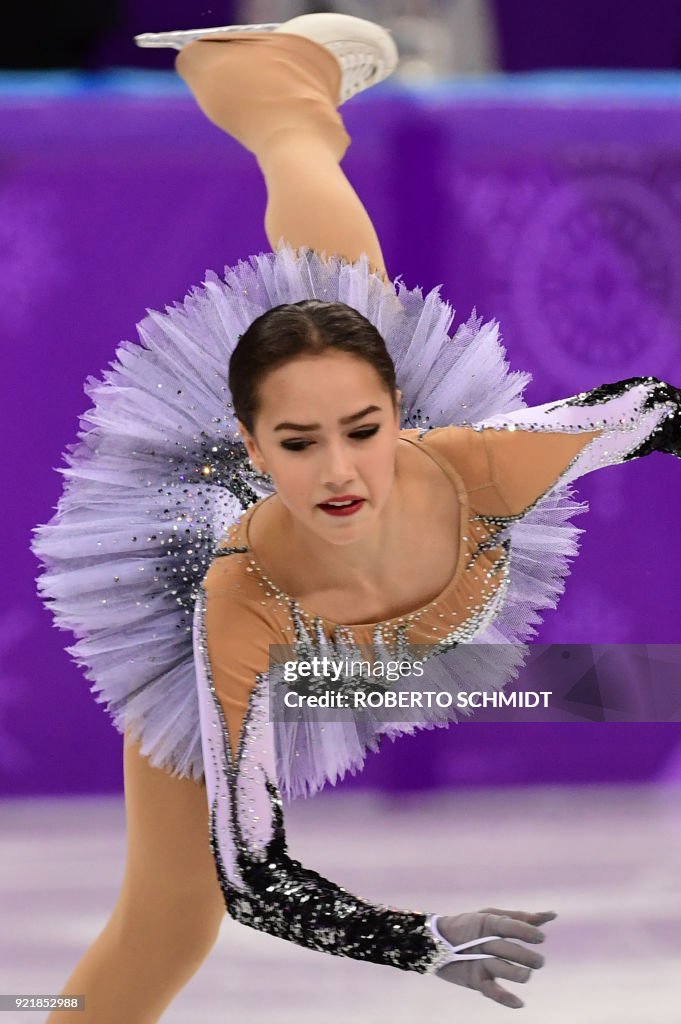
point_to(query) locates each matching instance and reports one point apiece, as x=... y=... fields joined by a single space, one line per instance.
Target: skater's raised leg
x=277 y=94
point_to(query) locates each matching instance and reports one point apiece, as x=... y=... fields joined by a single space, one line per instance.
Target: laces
x=361 y=65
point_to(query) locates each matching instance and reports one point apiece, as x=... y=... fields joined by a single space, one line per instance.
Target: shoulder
x=228 y=570
x=461 y=448
x=506 y=467
x=235 y=596
x=240 y=624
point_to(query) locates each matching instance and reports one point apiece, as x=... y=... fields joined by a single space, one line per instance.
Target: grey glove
x=493 y=956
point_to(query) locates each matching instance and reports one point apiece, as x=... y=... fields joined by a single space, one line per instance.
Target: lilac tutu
x=158 y=474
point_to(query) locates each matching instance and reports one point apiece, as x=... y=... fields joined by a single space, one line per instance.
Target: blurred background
x=526 y=156
x=435 y=37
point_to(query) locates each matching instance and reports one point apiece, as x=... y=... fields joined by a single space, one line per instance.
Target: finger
x=512 y=951
x=511 y=972
x=512 y=928
x=537 y=917
x=491 y=990
x=522 y=915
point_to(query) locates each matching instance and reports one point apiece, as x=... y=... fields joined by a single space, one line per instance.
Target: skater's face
x=326 y=428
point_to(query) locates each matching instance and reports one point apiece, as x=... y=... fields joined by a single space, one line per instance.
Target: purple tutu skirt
x=158 y=474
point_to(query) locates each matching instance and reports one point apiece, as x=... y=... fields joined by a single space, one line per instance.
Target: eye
x=357 y=435
x=361 y=435
x=295 y=446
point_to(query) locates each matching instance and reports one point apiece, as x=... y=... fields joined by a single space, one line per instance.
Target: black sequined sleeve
x=532 y=450
x=264 y=887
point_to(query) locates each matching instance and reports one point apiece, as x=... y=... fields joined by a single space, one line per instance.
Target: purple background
x=588 y=34
x=552 y=203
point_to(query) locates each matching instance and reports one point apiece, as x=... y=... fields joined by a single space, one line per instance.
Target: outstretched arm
x=277 y=94
x=264 y=886
x=516 y=458
x=531 y=451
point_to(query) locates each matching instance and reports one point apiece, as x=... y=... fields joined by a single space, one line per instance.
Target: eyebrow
x=317 y=426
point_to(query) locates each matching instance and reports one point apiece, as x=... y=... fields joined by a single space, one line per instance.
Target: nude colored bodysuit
x=501 y=469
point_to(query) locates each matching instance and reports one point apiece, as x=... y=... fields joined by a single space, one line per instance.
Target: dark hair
x=310 y=327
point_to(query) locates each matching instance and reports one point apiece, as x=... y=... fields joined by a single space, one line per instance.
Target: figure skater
x=300 y=455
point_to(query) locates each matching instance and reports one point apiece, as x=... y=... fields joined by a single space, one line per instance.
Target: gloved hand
x=508 y=960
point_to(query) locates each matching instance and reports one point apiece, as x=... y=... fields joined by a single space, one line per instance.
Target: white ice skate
x=365 y=51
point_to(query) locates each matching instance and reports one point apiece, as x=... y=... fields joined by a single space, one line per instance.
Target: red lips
x=342 y=510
